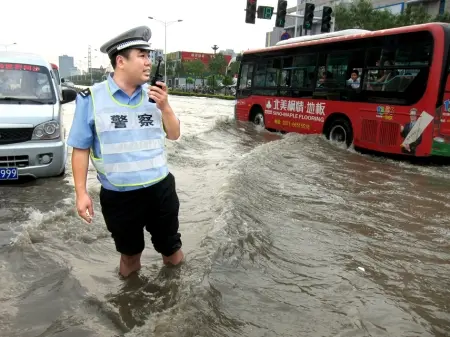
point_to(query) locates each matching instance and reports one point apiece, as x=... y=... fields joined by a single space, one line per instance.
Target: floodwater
x=284 y=235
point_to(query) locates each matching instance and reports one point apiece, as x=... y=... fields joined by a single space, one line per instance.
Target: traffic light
x=250 y=13
x=281 y=13
x=309 y=15
x=326 y=19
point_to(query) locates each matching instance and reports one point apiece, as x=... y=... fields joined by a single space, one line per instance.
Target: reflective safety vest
x=132 y=139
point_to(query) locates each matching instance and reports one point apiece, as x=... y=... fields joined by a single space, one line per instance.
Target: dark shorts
x=155 y=208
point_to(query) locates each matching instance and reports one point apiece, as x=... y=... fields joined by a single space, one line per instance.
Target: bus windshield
x=25 y=83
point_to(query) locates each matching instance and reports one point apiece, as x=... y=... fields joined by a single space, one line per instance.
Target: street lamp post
x=8 y=45
x=165 y=23
x=215 y=47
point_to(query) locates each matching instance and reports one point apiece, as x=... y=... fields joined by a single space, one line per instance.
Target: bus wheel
x=258 y=119
x=340 y=131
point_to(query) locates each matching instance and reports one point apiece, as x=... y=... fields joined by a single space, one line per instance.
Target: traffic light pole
x=318 y=18
x=296 y=20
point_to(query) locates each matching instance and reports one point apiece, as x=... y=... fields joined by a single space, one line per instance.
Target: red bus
x=387 y=90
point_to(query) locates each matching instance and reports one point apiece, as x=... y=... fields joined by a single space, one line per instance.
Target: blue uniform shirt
x=82 y=134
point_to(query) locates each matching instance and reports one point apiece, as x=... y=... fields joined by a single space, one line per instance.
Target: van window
x=25 y=83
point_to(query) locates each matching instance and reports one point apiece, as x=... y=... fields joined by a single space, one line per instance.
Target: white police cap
x=134 y=38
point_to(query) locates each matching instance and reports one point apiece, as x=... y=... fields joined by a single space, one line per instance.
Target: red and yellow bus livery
x=386 y=90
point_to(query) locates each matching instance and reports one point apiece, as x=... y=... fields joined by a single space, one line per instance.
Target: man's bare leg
x=129 y=264
x=173 y=259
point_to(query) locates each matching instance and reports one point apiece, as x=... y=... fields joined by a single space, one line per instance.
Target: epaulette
x=85 y=92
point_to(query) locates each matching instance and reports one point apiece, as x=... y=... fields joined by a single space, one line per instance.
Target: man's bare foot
x=129 y=264
x=173 y=259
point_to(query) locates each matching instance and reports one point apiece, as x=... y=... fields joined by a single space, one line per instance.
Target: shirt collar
x=115 y=88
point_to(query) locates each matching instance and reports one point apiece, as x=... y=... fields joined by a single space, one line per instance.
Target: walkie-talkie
x=157 y=78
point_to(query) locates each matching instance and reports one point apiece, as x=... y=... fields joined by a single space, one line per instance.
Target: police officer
x=124 y=134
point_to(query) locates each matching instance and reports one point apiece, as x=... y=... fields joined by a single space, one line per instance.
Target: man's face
x=138 y=66
x=354 y=76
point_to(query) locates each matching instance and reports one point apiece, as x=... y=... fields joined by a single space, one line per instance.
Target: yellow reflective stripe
x=121 y=104
x=135 y=166
x=142 y=145
x=144 y=183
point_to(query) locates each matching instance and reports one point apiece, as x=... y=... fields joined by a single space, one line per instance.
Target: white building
x=433 y=7
x=155 y=54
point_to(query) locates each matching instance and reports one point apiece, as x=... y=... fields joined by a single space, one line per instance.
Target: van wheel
x=340 y=131
x=258 y=119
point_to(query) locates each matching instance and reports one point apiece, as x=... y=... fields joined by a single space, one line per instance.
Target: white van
x=31 y=131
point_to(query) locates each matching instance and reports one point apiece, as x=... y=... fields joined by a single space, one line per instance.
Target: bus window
x=303 y=72
x=401 y=67
x=245 y=80
x=332 y=72
x=273 y=73
x=267 y=76
x=243 y=77
x=336 y=68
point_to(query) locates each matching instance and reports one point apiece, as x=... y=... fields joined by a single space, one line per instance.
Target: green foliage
x=197 y=68
x=234 y=68
x=361 y=14
x=442 y=17
x=227 y=80
x=211 y=81
x=217 y=65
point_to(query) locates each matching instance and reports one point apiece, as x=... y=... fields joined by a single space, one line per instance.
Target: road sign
x=265 y=12
x=285 y=36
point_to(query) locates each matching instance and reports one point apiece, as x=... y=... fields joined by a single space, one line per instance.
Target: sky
x=52 y=28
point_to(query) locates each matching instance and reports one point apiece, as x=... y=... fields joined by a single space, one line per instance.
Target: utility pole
x=215 y=47
x=90 y=61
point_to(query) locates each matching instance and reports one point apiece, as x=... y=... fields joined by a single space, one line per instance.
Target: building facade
x=66 y=65
x=182 y=56
x=155 y=54
x=186 y=56
x=434 y=7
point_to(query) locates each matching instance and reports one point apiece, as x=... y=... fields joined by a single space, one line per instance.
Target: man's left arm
x=170 y=121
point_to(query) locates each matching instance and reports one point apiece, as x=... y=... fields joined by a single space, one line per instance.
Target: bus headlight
x=47 y=130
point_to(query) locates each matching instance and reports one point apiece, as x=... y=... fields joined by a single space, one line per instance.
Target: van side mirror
x=62 y=80
x=69 y=95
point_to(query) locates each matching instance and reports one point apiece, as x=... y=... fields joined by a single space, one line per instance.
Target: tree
x=211 y=81
x=442 y=17
x=227 y=80
x=217 y=64
x=189 y=80
x=413 y=15
x=362 y=15
x=234 y=68
x=197 y=69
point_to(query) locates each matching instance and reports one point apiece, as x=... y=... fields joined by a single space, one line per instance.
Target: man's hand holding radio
x=159 y=95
